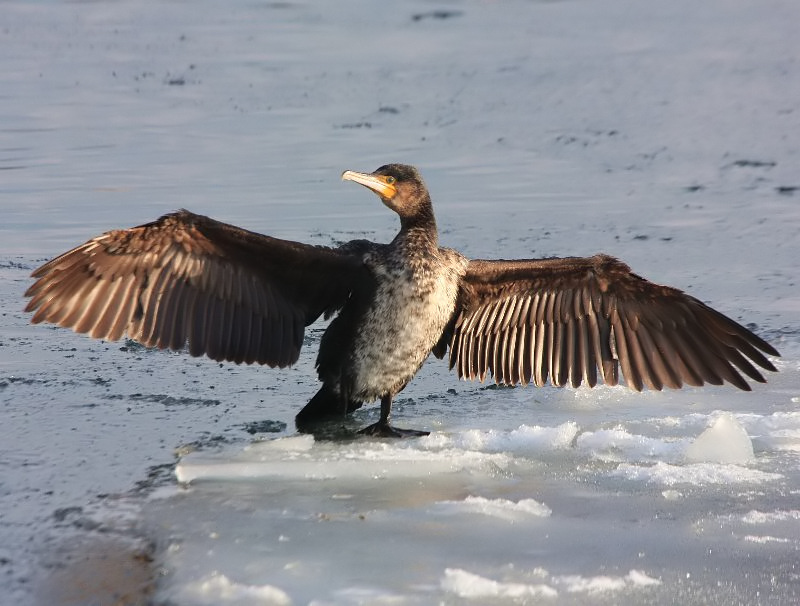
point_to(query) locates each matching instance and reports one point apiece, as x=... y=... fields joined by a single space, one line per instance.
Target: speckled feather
x=414 y=298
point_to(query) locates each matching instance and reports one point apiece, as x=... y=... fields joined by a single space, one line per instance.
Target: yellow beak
x=376 y=183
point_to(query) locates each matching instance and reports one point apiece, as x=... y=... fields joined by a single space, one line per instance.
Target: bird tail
x=325 y=406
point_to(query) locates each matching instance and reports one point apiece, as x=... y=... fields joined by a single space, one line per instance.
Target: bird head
x=399 y=186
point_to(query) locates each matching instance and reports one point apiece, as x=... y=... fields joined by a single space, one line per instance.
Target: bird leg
x=382 y=429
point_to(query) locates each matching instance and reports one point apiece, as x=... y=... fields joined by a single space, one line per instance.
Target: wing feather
x=186 y=279
x=577 y=320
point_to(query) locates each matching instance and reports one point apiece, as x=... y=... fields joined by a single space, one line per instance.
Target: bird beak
x=376 y=183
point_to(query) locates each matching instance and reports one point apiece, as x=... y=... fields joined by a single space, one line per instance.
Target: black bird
x=236 y=295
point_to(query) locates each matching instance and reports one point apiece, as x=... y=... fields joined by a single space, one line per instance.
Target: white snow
x=501 y=508
x=600 y=584
x=525 y=439
x=620 y=445
x=467 y=585
x=216 y=589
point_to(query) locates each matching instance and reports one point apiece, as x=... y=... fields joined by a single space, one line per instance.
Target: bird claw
x=384 y=430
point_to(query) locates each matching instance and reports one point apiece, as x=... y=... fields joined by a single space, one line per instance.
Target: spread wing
x=575 y=320
x=185 y=279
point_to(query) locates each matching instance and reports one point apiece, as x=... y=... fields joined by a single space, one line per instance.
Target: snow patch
x=615 y=445
x=779 y=431
x=600 y=584
x=467 y=585
x=526 y=439
x=499 y=508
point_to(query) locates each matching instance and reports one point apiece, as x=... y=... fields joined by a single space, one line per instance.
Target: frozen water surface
x=664 y=134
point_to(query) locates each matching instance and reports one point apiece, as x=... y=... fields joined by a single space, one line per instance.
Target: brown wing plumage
x=575 y=320
x=189 y=280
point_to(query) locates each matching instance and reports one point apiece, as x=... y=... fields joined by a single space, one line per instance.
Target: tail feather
x=324 y=407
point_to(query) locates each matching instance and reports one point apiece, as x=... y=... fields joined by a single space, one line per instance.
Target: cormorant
x=231 y=294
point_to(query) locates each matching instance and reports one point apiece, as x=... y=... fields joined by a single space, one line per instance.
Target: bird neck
x=421 y=220
x=417 y=242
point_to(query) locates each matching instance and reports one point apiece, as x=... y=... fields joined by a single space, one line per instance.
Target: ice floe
x=726 y=441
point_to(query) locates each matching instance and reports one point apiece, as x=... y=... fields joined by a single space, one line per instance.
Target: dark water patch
x=424 y=399
x=209 y=441
x=312 y=336
x=778 y=335
x=787 y=190
x=157 y=476
x=496 y=386
x=165 y=399
x=12 y=380
x=590 y=138
x=76 y=517
x=355 y=125
x=180 y=80
x=133 y=346
x=694 y=188
x=437 y=15
x=63 y=513
x=746 y=163
x=85 y=405
x=9 y=264
x=266 y=426
x=143 y=76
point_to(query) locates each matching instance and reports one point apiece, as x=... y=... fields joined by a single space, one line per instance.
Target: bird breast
x=414 y=300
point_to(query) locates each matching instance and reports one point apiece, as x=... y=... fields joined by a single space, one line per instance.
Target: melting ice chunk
x=725 y=441
x=218 y=589
x=467 y=585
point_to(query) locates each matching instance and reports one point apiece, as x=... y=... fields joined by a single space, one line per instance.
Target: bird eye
x=390 y=180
